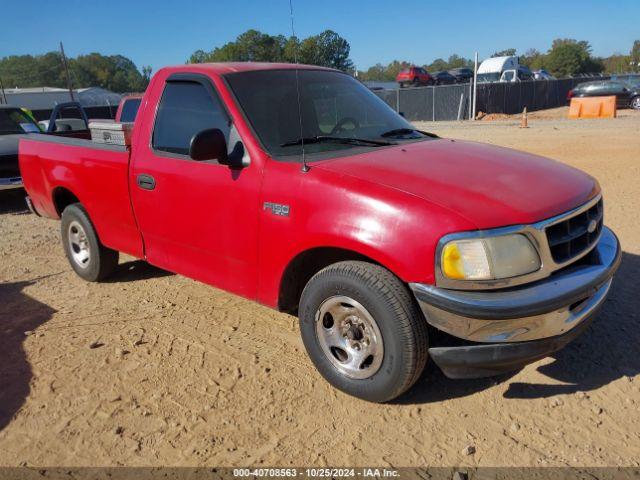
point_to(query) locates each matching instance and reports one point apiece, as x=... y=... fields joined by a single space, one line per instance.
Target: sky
x=159 y=33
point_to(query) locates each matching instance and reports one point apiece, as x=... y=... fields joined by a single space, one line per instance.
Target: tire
x=635 y=102
x=91 y=260
x=336 y=310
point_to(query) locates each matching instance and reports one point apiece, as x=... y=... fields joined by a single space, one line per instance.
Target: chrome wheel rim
x=79 y=244
x=349 y=337
x=636 y=103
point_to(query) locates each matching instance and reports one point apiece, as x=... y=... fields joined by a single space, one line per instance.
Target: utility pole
x=475 y=86
x=4 y=96
x=66 y=69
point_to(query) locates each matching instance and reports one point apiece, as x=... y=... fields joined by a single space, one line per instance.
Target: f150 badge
x=277 y=208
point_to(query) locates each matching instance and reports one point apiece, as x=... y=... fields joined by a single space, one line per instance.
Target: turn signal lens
x=466 y=260
x=489 y=258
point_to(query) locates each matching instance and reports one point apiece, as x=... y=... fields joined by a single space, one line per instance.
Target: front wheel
x=88 y=257
x=635 y=103
x=363 y=330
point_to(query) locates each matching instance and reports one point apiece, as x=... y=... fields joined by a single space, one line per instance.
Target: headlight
x=489 y=258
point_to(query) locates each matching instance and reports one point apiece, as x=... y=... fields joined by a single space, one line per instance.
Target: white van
x=503 y=69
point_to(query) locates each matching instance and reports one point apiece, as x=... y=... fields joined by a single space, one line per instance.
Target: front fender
x=395 y=229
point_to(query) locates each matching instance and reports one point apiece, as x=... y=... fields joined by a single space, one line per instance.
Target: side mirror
x=401 y=114
x=209 y=144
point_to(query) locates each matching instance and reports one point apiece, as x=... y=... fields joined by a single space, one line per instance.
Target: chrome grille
x=572 y=236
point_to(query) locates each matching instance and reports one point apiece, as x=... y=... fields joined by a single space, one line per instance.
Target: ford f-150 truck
x=295 y=186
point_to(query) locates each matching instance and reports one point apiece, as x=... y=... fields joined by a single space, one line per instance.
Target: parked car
x=462 y=75
x=542 y=74
x=14 y=124
x=443 y=78
x=414 y=76
x=128 y=108
x=626 y=95
x=296 y=187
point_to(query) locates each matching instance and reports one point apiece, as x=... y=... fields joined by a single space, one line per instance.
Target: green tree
x=509 y=52
x=617 y=63
x=635 y=56
x=326 y=49
x=376 y=72
x=437 y=65
x=570 y=57
x=456 y=61
x=115 y=72
x=533 y=59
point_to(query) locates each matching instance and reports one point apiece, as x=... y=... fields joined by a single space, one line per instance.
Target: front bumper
x=10 y=182
x=516 y=326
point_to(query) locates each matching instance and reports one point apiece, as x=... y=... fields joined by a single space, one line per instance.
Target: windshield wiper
x=405 y=131
x=344 y=140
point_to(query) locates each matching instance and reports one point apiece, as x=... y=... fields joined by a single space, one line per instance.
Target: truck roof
x=233 y=67
x=498 y=64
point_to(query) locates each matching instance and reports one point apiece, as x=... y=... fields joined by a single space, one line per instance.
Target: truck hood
x=489 y=186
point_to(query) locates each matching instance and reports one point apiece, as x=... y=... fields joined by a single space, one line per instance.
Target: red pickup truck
x=295 y=186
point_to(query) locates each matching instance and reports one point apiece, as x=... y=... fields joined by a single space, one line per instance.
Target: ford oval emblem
x=592 y=226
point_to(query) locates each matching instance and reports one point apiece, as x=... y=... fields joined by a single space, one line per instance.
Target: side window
x=186 y=108
x=507 y=76
x=130 y=110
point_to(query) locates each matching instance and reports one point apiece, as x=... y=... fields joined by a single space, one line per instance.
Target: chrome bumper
x=11 y=182
x=544 y=309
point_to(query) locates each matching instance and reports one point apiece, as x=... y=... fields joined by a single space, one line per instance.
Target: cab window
x=186 y=108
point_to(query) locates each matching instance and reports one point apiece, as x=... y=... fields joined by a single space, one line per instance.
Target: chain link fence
x=535 y=95
x=444 y=102
x=454 y=102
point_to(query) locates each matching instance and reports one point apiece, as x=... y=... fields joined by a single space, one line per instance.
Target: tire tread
x=396 y=295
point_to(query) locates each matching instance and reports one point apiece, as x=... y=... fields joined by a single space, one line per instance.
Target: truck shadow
x=135 y=270
x=19 y=313
x=12 y=201
x=607 y=351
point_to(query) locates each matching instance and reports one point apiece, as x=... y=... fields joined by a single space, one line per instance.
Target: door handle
x=146 y=181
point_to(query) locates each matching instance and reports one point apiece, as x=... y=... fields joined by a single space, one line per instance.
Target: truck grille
x=574 y=235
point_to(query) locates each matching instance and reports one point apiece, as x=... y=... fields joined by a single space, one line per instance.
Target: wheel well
x=306 y=265
x=62 y=198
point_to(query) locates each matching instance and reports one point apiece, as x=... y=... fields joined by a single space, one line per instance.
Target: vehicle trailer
x=297 y=187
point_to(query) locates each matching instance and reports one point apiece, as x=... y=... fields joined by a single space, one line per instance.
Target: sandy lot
x=155 y=369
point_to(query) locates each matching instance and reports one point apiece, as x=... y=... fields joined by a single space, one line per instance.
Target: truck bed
x=58 y=168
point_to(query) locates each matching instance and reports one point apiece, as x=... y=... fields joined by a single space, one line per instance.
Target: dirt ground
x=155 y=369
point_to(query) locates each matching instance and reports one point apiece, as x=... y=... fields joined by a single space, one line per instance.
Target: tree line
x=114 y=72
x=565 y=57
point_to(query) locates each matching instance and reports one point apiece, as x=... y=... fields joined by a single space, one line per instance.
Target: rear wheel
x=88 y=257
x=363 y=331
x=635 y=103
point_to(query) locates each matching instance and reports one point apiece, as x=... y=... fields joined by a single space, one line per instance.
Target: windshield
x=332 y=105
x=14 y=121
x=488 y=77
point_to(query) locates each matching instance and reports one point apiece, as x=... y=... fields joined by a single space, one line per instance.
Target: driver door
x=197 y=218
